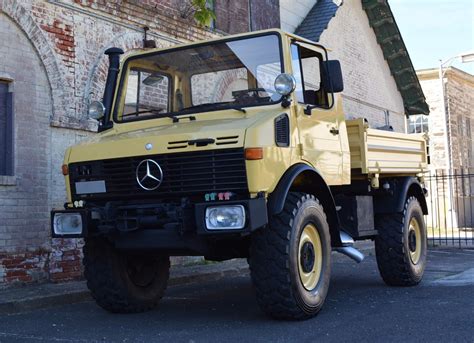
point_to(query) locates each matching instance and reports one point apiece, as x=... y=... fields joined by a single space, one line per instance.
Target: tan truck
x=238 y=147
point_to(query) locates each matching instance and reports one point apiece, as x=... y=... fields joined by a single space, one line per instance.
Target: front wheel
x=290 y=260
x=401 y=245
x=124 y=282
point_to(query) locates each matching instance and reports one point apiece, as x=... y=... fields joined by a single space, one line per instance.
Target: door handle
x=334 y=131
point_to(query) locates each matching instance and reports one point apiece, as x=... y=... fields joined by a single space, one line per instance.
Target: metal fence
x=451 y=208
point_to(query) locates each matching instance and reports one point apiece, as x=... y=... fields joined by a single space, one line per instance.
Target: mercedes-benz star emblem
x=149 y=175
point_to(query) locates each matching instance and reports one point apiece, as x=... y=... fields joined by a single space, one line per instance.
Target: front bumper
x=119 y=219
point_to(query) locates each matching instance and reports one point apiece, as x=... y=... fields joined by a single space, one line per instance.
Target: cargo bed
x=385 y=152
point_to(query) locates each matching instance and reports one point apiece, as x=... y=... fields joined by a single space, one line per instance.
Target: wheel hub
x=307 y=257
x=414 y=241
x=141 y=272
x=310 y=257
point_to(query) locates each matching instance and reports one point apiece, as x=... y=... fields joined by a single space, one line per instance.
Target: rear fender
x=401 y=190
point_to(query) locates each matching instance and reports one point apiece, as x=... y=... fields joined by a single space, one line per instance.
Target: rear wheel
x=290 y=260
x=401 y=245
x=124 y=282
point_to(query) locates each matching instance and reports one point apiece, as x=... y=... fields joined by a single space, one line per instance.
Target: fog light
x=67 y=224
x=225 y=217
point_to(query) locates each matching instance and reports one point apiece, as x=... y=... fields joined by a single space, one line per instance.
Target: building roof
x=433 y=73
x=317 y=20
x=388 y=36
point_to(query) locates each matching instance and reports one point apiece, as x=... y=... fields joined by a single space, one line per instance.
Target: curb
x=38 y=296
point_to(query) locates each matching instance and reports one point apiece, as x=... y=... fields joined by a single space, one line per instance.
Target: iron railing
x=450 y=221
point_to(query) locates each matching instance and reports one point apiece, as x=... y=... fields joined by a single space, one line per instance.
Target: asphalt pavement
x=359 y=308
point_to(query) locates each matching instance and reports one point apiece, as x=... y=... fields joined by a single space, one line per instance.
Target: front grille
x=184 y=174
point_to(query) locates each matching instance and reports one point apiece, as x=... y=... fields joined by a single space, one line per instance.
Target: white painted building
x=380 y=82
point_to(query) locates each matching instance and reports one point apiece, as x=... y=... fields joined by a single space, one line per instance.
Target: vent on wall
x=282 y=130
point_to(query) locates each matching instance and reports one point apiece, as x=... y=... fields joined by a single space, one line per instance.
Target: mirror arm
x=308 y=109
x=285 y=102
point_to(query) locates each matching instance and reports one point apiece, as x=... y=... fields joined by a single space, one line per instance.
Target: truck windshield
x=231 y=74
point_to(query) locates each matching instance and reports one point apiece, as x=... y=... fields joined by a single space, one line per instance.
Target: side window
x=307 y=67
x=311 y=73
x=295 y=62
x=146 y=91
x=6 y=129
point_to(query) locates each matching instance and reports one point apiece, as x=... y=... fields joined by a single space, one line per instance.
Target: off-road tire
x=392 y=246
x=274 y=260
x=107 y=271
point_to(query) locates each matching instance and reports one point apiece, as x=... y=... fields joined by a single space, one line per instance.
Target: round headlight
x=285 y=84
x=96 y=110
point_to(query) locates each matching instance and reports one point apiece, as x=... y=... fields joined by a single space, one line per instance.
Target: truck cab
x=237 y=147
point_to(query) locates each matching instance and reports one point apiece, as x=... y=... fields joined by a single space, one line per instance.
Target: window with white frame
x=418 y=124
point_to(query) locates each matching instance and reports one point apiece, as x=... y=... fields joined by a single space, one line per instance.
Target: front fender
x=303 y=178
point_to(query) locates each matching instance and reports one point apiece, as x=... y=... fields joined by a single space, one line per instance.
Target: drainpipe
x=447 y=144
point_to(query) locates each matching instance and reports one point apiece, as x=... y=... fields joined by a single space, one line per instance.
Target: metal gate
x=451 y=208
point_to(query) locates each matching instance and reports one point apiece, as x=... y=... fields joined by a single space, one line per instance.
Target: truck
x=238 y=147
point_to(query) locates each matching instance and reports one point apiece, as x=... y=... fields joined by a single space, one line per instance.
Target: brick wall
x=431 y=86
x=232 y=16
x=52 y=52
x=459 y=87
x=25 y=201
x=460 y=101
x=265 y=14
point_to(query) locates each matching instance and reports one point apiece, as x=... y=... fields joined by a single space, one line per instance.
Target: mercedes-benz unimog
x=238 y=147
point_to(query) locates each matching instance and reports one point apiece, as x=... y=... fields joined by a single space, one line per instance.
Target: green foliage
x=203 y=12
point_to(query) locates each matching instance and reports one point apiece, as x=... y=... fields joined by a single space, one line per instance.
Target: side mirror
x=153 y=79
x=332 y=76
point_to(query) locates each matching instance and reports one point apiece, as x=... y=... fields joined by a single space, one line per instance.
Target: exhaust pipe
x=351 y=252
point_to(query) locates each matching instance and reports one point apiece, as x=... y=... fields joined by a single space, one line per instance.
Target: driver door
x=320 y=129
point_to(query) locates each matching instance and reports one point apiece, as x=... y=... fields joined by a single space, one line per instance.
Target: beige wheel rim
x=310 y=257
x=414 y=241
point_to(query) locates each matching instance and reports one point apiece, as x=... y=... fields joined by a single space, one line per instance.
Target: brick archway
x=94 y=87
x=18 y=14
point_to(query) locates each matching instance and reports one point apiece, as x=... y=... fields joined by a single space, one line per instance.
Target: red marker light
x=65 y=169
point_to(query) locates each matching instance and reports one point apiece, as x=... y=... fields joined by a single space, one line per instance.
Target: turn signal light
x=253 y=153
x=65 y=169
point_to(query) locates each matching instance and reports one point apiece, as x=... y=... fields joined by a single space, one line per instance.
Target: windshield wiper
x=238 y=108
x=220 y=105
x=163 y=115
x=141 y=112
